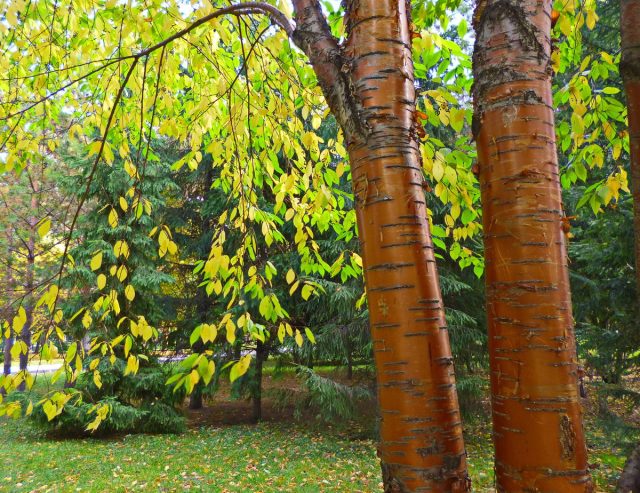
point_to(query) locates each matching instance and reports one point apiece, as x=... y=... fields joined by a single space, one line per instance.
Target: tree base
x=630 y=478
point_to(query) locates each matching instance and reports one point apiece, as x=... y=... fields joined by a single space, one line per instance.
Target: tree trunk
x=630 y=478
x=29 y=284
x=8 y=341
x=195 y=399
x=537 y=418
x=369 y=87
x=630 y=72
x=261 y=353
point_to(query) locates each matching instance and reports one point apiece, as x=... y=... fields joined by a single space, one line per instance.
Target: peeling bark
x=630 y=71
x=537 y=417
x=369 y=86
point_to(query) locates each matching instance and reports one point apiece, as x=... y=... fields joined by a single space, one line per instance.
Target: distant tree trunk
x=630 y=72
x=348 y=348
x=195 y=399
x=261 y=356
x=29 y=283
x=8 y=344
x=8 y=341
x=369 y=85
x=538 y=434
x=202 y=306
x=630 y=478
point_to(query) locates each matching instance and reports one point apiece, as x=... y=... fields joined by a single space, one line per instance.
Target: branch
x=85 y=194
x=332 y=67
x=278 y=18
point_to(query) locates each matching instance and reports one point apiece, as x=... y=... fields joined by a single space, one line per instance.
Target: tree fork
x=537 y=417
x=369 y=86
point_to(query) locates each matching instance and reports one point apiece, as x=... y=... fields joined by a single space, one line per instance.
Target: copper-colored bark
x=538 y=434
x=370 y=88
x=630 y=71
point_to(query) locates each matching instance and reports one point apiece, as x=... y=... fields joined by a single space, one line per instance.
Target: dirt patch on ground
x=283 y=401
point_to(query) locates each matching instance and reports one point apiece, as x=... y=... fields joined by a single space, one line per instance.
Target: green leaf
x=310 y=335
x=71 y=352
x=195 y=335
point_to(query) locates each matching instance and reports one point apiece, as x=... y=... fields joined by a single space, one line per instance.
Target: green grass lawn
x=280 y=455
x=266 y=457
x=270 y=457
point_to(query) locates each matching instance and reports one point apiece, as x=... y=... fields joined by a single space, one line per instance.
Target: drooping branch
x=332 y=67
x=245 y=8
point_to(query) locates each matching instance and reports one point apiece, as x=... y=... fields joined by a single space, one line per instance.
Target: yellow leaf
x=211 y=369
x=294 y=287
x=96 y=261
x=121 y=248
x=113 y=218
x=291 y=275
x=437 y=170
x=129 y=292
x=592 y=17
x=307 y=291
x=132 y=365
x=121 y=273
x=281 y=333
x=298 y=338
x=231 y=331
x=50 y=409
x=194 y=377
x=102 y=281
x=44 y=227
x=97 y=380
x=123 y=204
x=240 y=368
